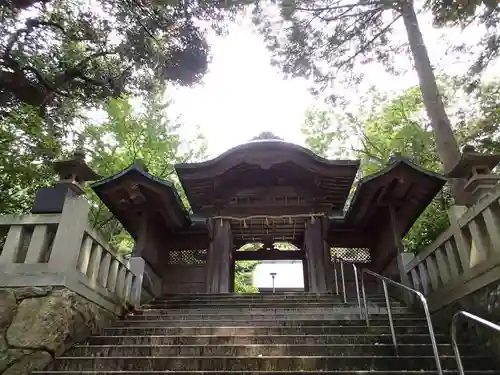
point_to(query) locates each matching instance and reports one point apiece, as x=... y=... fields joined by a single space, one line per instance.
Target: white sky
x=288 y=274
x=243 y=95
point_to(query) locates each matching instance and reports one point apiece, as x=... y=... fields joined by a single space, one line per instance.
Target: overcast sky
x=243 y=95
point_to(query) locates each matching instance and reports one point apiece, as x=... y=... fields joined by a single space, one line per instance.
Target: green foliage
x=329 y=41
x=317 y=131
x=482 y=129
x=28 y=145
x=389 y=127
x=129 y=134
x=485 y=13
x=72 y=51
x=243 y=276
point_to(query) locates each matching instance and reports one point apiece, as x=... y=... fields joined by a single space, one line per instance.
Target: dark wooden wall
x=184 y=279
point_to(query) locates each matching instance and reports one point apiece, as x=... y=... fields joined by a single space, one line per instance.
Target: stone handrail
x=61 y=250
x=104 y=268
x=468 y=250
x=28 y=238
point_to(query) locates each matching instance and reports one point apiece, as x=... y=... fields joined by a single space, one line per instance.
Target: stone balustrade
x=463 y=259
x=61 y=250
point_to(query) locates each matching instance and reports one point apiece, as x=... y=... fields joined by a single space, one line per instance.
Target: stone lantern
x=73 y=174
x=477 y=169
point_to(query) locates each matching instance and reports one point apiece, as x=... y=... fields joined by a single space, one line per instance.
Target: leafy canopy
x=129 y=134
x=54 y=51
x=485 y=16
x=327 y=40
x=390 y=126
x=243 y=276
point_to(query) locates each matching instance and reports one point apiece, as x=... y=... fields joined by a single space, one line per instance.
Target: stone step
x=262 y=310
x=277 y=295
x=217 y=339
x=265 y=295
x=261 y=363
x=344 y=314
x=266 y=307
x=363 y=372
x=262 y=304
x=237 y=301
x=254 y=350
x=268 y=329
x=351 y=294
x=266 y=321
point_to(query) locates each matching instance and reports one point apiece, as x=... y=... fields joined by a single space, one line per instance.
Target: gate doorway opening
x=258 y=267
x=289 y=276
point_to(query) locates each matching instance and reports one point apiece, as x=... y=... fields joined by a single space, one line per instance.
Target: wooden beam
x=268 y=255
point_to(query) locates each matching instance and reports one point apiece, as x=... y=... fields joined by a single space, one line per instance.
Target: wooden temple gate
x=265 y=192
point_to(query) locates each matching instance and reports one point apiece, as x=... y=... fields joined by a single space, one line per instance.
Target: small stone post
x=136 y=265
x=477 y=169
x=69 y=235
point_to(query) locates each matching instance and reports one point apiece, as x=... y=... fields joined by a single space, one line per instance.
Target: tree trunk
x=446 y=143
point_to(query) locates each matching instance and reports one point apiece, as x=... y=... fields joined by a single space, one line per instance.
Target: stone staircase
x=264 y=334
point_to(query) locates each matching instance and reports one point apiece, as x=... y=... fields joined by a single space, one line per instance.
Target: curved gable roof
x=245 y=164
x=402 y=184
x=133 y=192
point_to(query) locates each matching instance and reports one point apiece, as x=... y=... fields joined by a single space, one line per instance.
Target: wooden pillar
x=398 y=244
x=314 y=248
x=327 y=256
x=219 y=257
x=142 y=237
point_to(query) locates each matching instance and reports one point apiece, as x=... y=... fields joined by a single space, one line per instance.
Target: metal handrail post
x=365 y=302
x=389 y=313
x=343 y=280
x=453 y=329
x=431 y=329
x=355 y=269
x=336 y=278
x=426 y=310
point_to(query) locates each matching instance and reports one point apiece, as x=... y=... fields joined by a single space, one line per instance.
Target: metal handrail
x=422 y=298
x=335 y=261
x=355 y=269
x=453 y=330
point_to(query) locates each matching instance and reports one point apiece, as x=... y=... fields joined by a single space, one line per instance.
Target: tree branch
x=365 y=46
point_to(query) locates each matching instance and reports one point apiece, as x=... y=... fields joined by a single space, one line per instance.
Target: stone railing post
x=136 y=265
x=69 y=235
x=463 y=248
x=402 y=260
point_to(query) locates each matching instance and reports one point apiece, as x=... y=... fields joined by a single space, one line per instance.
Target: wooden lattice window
x=351 y=254
x=188 y=257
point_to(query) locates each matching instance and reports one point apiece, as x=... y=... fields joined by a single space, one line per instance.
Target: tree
x=243 y=276
x=54 y=51
x=329 y=39
x=391 y=126
x=129 y=134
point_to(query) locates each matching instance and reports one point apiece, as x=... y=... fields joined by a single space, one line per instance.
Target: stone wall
x=484 y=303
x=37 y=324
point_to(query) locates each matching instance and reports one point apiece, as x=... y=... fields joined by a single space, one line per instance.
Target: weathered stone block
x=32 y=291
x=29 y=362
x=38 y=323
x=485 y=303
x=8 y=305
